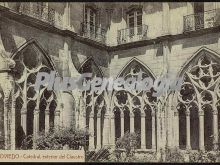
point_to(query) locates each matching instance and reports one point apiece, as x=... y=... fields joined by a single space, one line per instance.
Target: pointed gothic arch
x=137 y=103
x=34 y=110
x=136 y=60
x=89 y=65
x=39 y=47
x=95 y=104
x=196 y=55
x=199 y=99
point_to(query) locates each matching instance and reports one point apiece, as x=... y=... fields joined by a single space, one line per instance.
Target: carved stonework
x=200 y=87
x=31 y=104
x=201 y=113
x=187 y=113
x=91 y=115
x=6 y=63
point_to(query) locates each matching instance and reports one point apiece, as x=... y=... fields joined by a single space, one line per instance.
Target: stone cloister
x=188 y=119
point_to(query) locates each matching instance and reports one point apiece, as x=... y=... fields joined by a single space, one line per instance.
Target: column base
x=91 y=148
x=202 y=148
x=188 y=147
x=112 y=146
x=98 y=147
x=143 y=147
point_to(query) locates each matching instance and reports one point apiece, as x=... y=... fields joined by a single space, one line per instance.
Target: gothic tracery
x=135 y=109
x=34 y=109
x=198 y=102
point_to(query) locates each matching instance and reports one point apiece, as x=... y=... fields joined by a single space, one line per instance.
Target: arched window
x=199 y=99
x=135 y=107
x=95 y=104
x=34 y=110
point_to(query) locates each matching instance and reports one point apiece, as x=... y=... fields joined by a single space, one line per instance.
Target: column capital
x=7 y=63
x=91 y=115
x=173 y=107
x=187 y=113
x=143 y=114
x=131 y=114
x=99 y=115
x=47 y=111
x=36 y=111
x=153 y=113
x=23 y=111
x=215 y=112
x=106 y=115
x=201 y=113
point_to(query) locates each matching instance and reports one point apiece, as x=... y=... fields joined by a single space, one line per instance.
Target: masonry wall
x=151 y=55
x=67 y=54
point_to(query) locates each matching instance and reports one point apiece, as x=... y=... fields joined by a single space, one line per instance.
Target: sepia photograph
x=110 y=82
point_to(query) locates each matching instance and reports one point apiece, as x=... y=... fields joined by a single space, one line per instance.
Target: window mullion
x=135 y=23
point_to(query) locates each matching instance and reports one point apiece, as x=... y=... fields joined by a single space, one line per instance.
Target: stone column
x=169 y=128
x=8 y=101
x=56 y=119
x=153 y=130
x=6 y=120
x=2 y=139
x=176 y=115
x=112 y=130
x=76 y=117
x=47 y=120
x=13 y=125
x=91 y=131
x=98 y=145
x=143 y=131
x=215 y=129
x=106 y=130
x=122 y=124
x=131 y=122
x=84 y=120
x=35 y=127
x=82 y=114
x=24 y=119
x=36 y=122
x=158 y=115
x=188 y=145
x=201 y=130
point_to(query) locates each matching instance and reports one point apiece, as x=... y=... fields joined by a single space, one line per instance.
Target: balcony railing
x=199 y=21
x=93 y=32
x=132 y=34
x=40 y=12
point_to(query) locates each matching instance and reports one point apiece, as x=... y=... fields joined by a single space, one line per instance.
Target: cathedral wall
x=152 y=56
